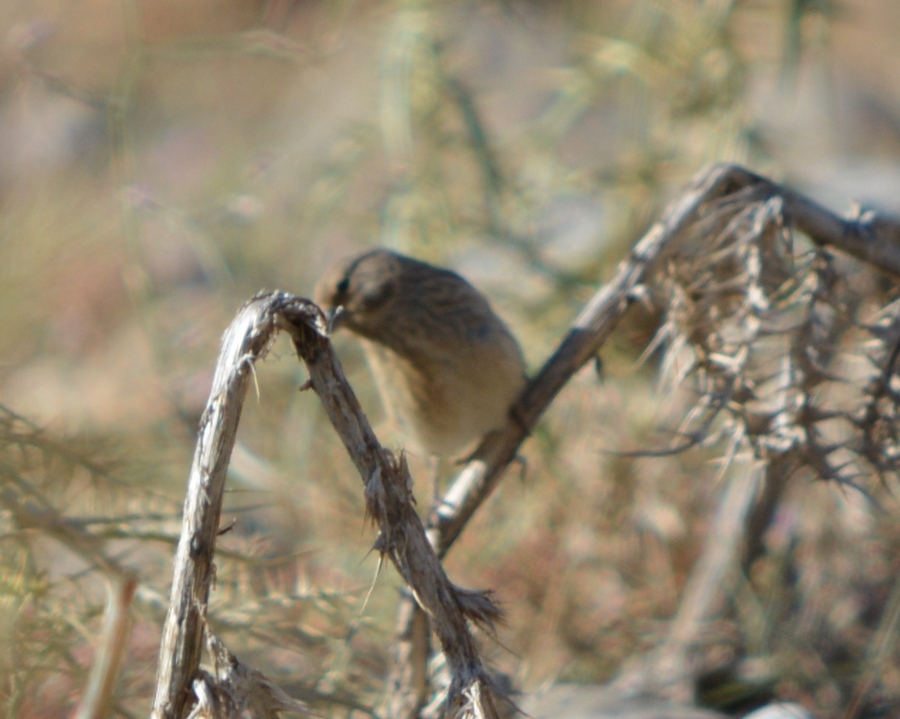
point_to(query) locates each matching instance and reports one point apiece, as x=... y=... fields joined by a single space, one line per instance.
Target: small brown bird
x=447 y=367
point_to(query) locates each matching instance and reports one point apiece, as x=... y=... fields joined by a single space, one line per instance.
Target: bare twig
x=97 y=702
x=388 y=499
x=389 y=502
x=580 y=345
x=244 y=342
x=719 y=204
x=720 y=201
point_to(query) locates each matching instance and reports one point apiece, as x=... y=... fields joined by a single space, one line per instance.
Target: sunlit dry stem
x=719 y=191
x=388 y=496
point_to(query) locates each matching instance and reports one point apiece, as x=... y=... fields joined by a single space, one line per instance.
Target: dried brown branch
x=769 y=331
x=581 y=344
x=871 y=237
x=389 y=502
x=726 y=242
x=721 y=267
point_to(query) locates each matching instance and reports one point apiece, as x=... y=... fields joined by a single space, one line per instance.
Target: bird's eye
x=343 y=286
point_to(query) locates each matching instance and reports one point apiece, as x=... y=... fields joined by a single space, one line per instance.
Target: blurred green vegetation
x=163 y=161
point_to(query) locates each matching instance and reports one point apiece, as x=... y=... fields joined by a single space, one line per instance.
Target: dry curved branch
x=871 y=237
x=580 y=345
x=243 y=343
x=723 y=202
x=389 y=502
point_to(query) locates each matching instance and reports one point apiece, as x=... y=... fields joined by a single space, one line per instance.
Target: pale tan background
x=161 y=161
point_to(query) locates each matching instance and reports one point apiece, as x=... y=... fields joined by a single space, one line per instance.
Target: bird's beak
x=334 y=318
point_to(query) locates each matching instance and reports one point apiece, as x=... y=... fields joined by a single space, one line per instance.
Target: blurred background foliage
x=162 y=161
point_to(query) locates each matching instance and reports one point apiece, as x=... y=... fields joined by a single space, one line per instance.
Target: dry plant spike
x=871 y=237
x=764 y=321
